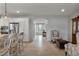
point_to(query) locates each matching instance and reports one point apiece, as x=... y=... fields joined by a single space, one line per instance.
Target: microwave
x=4 y=29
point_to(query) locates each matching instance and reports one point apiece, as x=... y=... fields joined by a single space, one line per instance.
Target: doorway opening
x=39 y=28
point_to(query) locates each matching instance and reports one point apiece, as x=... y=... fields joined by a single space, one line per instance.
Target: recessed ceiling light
x=62 y=10
x=18 y=11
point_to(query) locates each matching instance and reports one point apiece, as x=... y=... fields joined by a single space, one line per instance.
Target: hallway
x=45 y=49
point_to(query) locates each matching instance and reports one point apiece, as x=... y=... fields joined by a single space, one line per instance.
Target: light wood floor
x=41 y=48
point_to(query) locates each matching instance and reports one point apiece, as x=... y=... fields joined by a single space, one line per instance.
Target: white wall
x=60 y=23
x=23 y=25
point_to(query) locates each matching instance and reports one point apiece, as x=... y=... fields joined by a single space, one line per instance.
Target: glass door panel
x=74 y=27
x=39 y=29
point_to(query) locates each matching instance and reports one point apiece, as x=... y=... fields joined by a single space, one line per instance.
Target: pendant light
x=5 y=12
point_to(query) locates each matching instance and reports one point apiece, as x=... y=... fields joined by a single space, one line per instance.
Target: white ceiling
x=39 y=9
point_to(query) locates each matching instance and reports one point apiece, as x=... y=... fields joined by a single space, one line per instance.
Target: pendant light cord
x=5 y=10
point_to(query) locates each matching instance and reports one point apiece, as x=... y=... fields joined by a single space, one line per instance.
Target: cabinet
x=75 y=29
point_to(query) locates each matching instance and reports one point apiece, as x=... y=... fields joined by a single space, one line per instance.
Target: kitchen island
x=3 y=48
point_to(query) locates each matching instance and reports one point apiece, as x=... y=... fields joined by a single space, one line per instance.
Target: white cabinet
x=23 y=26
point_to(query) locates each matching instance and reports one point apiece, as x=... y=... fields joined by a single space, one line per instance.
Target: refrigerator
x=14 y=27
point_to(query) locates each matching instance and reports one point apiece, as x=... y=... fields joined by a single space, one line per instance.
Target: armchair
x=54 y=35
